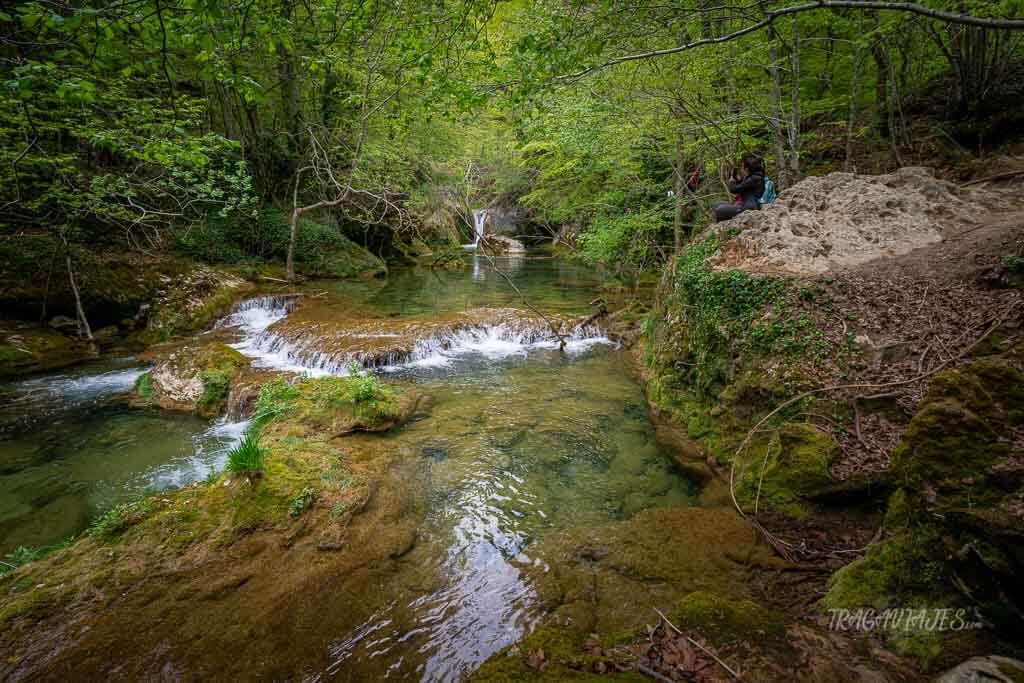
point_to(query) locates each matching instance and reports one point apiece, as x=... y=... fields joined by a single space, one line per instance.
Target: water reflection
x=512 y=452
x=484 y=267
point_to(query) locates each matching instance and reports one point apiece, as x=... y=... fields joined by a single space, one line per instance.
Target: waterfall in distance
x=479 y=217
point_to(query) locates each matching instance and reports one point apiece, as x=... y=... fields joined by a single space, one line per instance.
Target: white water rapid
x=305 y=353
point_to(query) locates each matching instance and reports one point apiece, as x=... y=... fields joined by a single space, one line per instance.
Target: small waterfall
x=302 y=351
x=257 y=314
x=479 y=218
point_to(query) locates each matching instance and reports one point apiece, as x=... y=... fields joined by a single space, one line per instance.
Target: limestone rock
x=837 y=220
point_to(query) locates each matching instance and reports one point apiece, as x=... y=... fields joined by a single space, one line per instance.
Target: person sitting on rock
x=748 y=184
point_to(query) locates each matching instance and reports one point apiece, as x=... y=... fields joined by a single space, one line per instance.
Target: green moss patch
x=793 y=468
x=962 y=427
x=726 y=620
x=336 y=405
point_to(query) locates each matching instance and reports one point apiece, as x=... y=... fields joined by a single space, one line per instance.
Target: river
x=523 y=440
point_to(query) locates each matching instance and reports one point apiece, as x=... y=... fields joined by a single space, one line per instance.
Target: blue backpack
x=769 y=195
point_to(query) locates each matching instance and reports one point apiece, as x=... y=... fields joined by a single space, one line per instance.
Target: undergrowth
x=728 y=312
x=144 y=385
x=302 y=502
x=216 y=384
x=25 y=554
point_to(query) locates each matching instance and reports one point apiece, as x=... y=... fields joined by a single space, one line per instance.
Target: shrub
x=320 y=250
x=247 y=457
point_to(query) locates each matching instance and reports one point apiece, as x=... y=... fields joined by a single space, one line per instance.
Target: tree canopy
x=131 y=122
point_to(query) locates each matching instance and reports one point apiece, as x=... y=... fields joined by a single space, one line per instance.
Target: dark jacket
x=749 y=189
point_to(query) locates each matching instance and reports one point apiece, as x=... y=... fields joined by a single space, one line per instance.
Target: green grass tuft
x=118 y=518
x=276 y=398
x=248 y=456
x=215 y=387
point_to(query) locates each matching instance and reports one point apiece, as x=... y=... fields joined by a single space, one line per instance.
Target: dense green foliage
x=201 y=125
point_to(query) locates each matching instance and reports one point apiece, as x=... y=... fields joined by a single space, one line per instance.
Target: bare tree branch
x=772 y=15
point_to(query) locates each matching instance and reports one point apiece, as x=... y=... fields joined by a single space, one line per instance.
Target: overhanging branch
x=909 y=7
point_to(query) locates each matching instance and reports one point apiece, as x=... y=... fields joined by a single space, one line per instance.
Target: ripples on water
x=523 y=441
x=512 y=452
x=70 y=448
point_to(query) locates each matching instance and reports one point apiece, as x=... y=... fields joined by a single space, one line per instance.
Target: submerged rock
x=605 y=579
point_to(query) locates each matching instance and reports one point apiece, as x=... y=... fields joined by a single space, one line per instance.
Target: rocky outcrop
x=26 y=348
x=842 y=219
x=500 y=244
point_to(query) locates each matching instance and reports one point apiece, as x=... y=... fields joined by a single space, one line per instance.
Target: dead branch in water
x=522 y=297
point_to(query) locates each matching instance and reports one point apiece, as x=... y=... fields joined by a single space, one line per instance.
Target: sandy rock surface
x=839 y=220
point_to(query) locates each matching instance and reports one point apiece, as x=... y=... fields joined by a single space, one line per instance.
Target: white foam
x=211 y=448
x=85 y=386
x=303 y=354
x=257 y=314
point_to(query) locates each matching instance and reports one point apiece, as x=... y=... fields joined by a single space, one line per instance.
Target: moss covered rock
x=963 y=426
x=196 y=376
x=338 y=405
x=27 y=348
x=726 y=620
x=794 y=468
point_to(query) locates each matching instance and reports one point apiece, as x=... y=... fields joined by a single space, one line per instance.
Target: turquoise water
x=71 y=447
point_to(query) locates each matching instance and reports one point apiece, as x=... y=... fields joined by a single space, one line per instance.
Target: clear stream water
x=522 y=441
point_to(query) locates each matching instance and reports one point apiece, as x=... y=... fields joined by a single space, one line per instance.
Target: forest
x=442 y=340
x=202 y=127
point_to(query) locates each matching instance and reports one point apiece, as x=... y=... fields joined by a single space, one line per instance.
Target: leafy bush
x=247 y=457
x=320 y=249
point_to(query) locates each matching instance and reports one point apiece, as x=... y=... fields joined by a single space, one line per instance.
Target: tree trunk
x=293 y=231
x=881 y=86
x=851 y=123
x=679 y=192
x=778 y=135
x=83 y=323
x=794 y=122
